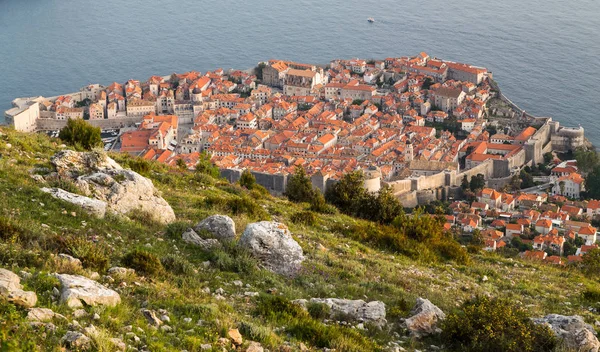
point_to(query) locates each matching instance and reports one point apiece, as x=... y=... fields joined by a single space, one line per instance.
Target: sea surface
x=544 y=54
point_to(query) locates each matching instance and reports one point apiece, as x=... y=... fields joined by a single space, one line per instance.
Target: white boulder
x=76 y=289
x=576 y=333
x=425 y=318
x=92 y=206
x=11 y=289
x=124 y=191
x=272 y=243
x=220 y=227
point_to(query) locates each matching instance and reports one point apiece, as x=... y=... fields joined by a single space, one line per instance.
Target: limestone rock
x=151 y=317
x=358 y=310
x=220 y=227
x=118 y=344
x=76 y=289
x=40 y=314
x=9 y=281
x=124 y=191
x=76 y=340
x=191 y=237
x=118 y=271
x=273 y=245
x=70 y=260
x=235 y=336
x=92 y=206
x=576 y=334
x=424 y=319
x=255 y=347
x=11 y=289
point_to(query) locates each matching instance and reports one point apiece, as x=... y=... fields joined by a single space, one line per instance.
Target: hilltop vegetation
x=205 y=293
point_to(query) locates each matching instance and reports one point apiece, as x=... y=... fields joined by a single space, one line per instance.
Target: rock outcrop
x=191 y=237
x=220 y=227
x=576 y=334
x=151 y=317
x=77 y=289
x=11 y=289
x=273 y=245
x=357 y=310
x=76 y=340
x=101 y=178
x=42 y=315
x=424 y=319
x=89 y=205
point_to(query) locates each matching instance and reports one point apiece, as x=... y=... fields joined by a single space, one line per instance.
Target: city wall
x=53 y=125
x=275 y=184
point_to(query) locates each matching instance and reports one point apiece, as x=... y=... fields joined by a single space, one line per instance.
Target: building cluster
x=394 y=114
x=544 y=223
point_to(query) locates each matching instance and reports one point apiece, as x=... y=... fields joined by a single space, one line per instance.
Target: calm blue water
x=544 y=54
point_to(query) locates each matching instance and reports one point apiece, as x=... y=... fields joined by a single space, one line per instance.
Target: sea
x=544 y=54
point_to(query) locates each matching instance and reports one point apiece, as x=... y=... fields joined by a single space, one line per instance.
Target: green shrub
x=319 y=205
x=449 y=249
x=141 y=166
x=233 y=258
x=177 y=265
x=92 y=255
x=143 y=262
x=64 y=184
x=299 y=187
x=494 y=325
x=307 y=218
x=246 y=205
x=591 y=294
x=8 y=230
x=247 y=179
x=261 y=334
x=81 y=134
x=175 y=229
x=206 y=167
x=318 y=311
x=273 y=307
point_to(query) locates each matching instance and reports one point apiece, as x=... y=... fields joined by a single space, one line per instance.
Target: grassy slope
x=346 y=269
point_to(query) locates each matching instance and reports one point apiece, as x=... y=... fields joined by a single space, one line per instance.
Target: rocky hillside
x=112 y=253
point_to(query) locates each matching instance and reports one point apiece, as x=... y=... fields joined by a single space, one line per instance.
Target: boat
x=371 y=19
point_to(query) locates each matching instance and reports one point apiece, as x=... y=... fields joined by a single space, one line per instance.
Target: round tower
x=372 y=181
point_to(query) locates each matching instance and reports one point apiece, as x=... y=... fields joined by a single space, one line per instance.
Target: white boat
x=371 y=19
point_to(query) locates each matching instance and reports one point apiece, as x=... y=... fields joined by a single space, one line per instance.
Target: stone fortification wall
x=51 y=125
x=535 y=146
x=400 y=186
x=275 y=184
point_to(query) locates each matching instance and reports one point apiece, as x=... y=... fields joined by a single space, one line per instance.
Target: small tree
x=591 y=262
x=247 y=179
x=347 y=193
x=181 y=164
x=299 y=187
x=477 y=182
x=205 y=166
x=387 y=207
x=81 y=135
x=319 y=205
x=464 y=184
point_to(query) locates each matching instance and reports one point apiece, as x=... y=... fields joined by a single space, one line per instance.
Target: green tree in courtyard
x=477 y=182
